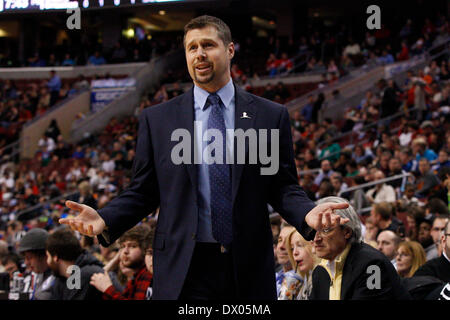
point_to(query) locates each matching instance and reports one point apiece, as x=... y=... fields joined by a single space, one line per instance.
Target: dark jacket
x=356 y=274
x=44 y=285
x=88 y=266
x=438 y=268
x=157 y=181
x=421 y=287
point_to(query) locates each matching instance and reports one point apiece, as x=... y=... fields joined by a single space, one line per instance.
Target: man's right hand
x=88 y=222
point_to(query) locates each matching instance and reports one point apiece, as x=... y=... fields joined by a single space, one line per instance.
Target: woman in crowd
x=303 y=262
x=410 y=257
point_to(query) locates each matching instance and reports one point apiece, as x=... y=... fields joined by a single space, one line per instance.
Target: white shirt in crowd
x=385 y=194
x=108 y=166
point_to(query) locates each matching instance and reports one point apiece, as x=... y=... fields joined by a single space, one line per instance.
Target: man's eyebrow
x=201 y=40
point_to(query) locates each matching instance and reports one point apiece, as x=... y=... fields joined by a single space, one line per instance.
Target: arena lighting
x=129 y=33
x=38 y=5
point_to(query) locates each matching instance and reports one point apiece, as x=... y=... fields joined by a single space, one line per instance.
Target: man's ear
x=347 y=233
x=230 y=50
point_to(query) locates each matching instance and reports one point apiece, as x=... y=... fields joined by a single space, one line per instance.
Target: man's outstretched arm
x=289 y=199
x=137 y=201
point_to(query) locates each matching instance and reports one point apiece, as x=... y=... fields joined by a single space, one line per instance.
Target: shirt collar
x=226 y=94
x=338 y=262
x=445 y=255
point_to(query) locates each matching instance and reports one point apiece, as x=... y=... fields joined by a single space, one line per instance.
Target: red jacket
x=136 y=288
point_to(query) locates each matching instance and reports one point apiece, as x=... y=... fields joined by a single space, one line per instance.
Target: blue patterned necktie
x=220 y=179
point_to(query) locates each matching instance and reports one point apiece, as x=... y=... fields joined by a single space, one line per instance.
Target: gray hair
x=353 y=224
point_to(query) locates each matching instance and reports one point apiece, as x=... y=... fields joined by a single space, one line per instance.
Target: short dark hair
x=137 y=233
x=63 y=244
x=13 y=257
x=206 y=21
x=384 y=209
x=147 y=243
x=437 y=206
x=443 y=172
x=444 y=216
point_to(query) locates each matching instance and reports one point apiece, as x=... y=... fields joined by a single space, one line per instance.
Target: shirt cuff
x=109 y=292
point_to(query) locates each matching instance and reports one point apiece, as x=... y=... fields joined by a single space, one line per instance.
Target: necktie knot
x=213 y=99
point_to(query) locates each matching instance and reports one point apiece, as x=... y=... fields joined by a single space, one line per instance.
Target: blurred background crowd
x=388 y=156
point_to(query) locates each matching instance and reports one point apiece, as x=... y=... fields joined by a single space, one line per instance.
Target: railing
x=374 y=183
x=363 y=82
x=298 y=65
x=358 y=187
x=146 y=77
x=55 y=107
x=305 y=172
x=352 y=133
x=22 y=215
x=300 y=102
x=361 y=210
x=6 y=156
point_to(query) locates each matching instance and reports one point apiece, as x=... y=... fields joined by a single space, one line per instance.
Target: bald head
x=387 y=243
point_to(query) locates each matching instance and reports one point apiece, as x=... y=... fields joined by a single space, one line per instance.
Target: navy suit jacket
x=157 y=181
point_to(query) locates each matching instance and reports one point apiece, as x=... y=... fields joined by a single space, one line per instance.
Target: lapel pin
x=245 y=116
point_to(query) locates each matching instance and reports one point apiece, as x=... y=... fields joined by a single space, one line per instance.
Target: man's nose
x=200 y=53
x=317 y=238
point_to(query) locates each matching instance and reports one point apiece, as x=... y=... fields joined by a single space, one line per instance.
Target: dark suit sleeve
x=141 y=197
x=286 y=196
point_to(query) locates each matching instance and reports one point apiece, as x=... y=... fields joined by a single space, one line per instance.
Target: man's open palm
x=88 y=222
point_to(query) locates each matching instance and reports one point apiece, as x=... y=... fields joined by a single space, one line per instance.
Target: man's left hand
x=322 y=216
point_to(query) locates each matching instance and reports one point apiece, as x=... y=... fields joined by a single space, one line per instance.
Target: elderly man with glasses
x=350 y=269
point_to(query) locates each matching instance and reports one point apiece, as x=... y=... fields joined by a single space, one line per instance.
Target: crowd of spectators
x=91 y=53
x=405 y=218
x=98 y=169
x=335 y=54
x=402 y=221
x=21 y=105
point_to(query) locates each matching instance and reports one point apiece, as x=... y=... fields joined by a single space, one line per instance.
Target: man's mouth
x=203 y=67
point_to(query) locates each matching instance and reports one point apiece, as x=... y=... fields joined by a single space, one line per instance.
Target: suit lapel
x=244 y=118
x=185 y=119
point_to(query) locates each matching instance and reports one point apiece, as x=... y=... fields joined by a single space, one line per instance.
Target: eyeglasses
x=325 y=232
x=401 y=255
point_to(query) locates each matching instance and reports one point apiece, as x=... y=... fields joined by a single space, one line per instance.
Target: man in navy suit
x=213 y=237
